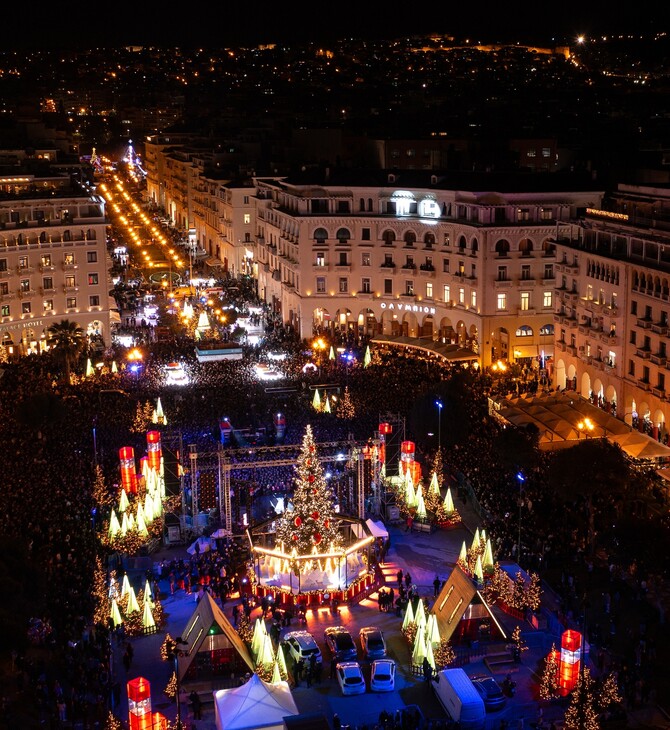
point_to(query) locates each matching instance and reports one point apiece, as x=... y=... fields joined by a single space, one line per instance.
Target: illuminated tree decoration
x=608 y=693
x=170 y=690
x=311 y=524
x=581 y=714
x=444 y=654
x=112 y=722
x=345 y=408
x=549 y=685
x=100 y=593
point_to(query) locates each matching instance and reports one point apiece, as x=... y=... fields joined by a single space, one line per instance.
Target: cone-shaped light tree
x=312 y=523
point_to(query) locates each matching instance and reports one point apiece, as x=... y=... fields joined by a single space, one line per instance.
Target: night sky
x=224 y=23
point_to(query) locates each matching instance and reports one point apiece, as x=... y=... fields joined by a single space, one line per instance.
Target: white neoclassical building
x=53 y=261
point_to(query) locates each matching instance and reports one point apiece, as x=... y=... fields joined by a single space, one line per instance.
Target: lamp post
x=439 y=405
x=585 y=426
x=174 y=652
x=521 y=479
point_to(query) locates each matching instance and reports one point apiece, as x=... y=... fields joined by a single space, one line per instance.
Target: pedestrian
x=196 y=705
x=333 y=668
x=436 y=586
x=399 y=576
x=312 y=670
x=299 y=667
x=408 y=580
x=427 y=670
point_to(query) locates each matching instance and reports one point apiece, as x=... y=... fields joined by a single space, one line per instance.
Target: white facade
x=53 y=265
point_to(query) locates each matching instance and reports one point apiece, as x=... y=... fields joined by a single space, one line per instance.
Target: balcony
x=25 y=270
x=660 y=328
x=643 y=353
x=560 y=345
x=563 y=267
x=70 y=289
x=611 y=340
x=644 y=323
x=572 y=349
x=503 y=283
x=658 y=392
x=46 y=267
x=659 y=359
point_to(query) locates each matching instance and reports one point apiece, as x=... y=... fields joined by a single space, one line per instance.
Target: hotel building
x=53 y=261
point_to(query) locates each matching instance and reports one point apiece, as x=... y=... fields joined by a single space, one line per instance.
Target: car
x=350 y=678
x=302 y=645
x=341 y=644
x=372 y=642
x=382 y=675
x=490 y=692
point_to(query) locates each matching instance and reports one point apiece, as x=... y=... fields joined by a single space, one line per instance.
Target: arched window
x=361 y=204
x=547 y=330
x=429 y=239
x=475 y=245
x=462 y=243
x=410 y=238
x=526 y=247
x=548 y=249
x=320 y=235
x=67 y=236
x=524 y=331
x=370 y=204
x=388 y=236
x=502 y=247
x=343 y=235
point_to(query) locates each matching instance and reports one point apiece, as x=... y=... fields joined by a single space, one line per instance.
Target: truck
x=459 y=698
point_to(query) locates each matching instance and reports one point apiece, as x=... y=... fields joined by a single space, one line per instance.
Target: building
x=613 y=302
x=53 y=261
x=462 y=259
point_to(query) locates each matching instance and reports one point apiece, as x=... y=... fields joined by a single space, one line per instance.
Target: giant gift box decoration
x=154 y=451
x=139 y=704
x=568 y=668
x=127 y=459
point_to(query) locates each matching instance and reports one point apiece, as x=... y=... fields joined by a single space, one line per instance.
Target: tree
x=549 y=685
x=346 y=408
x=594 y=471
x=311 y=526
x=68 y=340
x=581 y=714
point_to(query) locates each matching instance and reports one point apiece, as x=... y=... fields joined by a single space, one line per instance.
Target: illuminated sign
x=408 y=307
x=607 y=214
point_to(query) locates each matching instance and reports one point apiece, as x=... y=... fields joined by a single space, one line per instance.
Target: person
x=196 y=705
x=399 y=577
x=436 y=586
x=427 y=670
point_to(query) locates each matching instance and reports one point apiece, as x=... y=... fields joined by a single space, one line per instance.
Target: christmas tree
x=582 y=715
x=549 y=680
x=310 y=528
x=346 y=408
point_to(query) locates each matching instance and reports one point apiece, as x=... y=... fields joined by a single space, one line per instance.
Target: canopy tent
x=377 y=528
x=204 y=544
x=256 y=704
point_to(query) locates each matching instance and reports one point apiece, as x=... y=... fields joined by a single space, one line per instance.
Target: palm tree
x=68 y=340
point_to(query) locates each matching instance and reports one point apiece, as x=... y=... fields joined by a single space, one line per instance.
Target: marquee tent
x=256 y=704
x=377 y=528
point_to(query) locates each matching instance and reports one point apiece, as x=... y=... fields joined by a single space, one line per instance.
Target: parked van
x=460 y=699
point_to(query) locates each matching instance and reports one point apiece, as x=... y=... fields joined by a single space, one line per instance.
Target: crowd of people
x=55 y=434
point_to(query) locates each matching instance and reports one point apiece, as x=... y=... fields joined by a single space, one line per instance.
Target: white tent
x=377 y=528
x=256 y=704
x=204 y=543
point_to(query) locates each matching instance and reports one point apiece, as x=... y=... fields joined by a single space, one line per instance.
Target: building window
x=530 y=153
x=320 y=284
x=24 y=285
x=522 y=214
x=94 y=301
x=409 y=288
x=23 y=262
x=68 y=259
x=388 y=260
x=365 y=234
x=4 y=288
x=365 y=259
x=25 y=307
x=48 y=305
x=365 y=286
x=525 y=272
x=524 y=331
x=548 y=271
x=247 y=218
x=546 y=214
x=631 y=368
x=388 y=286
x=633 y=337
x=461 y=295
x=501 y=301
x=71 y=303
x=3 y=264
x=473 y=299
x=547 y=299
x=548 y=330
x=502 y=273
x=245 y=200
x=70 y=282
x=633 y=307
x=525 y=300
x=645 y=374
x=4 y=310
x=429 y=290
x=92 y=279
x=91 y=257
x=546 y=152
x=320 y=259
x=344 y=285
x=48 y=282
x=447 y=293
x=445 y=266
x=343 y=259
x=446 y=241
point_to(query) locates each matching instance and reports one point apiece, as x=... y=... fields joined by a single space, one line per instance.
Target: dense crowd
x=54 y=435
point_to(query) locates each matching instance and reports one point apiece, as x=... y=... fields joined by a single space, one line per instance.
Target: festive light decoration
x=608 y=693
x=570 y=660
x=409 y=616
x=139 y=704
x=444 y=654
x=581 y=714
x=316 y=400
x=154 y=450
x=549 y=687
x=133 y=605
x=345 y=408
x=127 y=460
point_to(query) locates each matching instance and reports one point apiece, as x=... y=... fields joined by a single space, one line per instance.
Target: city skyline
x=96 y=26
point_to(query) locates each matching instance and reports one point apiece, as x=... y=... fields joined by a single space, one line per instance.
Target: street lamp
x=439 y=405
x=521 y=479
x=585 y=426
x=174 y=652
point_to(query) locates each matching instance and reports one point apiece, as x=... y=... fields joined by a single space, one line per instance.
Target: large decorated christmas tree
x=311 y=527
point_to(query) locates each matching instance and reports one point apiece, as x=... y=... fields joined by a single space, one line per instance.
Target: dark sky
x=223 y=23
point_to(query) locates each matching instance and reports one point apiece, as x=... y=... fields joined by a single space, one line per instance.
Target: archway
x=343 y=320
x=586 y=386
x=367 y=323
x=598 y=390
x=473 y=338
x=390 y=325
x=321 y=320
x=559 y=375
x=499 y=344
x=446 y=333
x=572 y=378
x=427 y=327
x=410 y=325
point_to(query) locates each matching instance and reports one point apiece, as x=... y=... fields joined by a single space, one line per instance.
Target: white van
x=459 y=698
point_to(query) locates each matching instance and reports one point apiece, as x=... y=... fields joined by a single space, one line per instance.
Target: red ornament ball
x=297 y=522
x=310 y=478
x=326 y=524
x=308 y=462
x=315 y=515
x=295 y=537
x=317 y=538
x=312 y=449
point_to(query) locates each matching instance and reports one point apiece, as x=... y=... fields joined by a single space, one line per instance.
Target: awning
x=377 y=528
x=213 y=262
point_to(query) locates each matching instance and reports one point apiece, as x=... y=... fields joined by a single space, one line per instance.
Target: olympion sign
x=408 y=307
